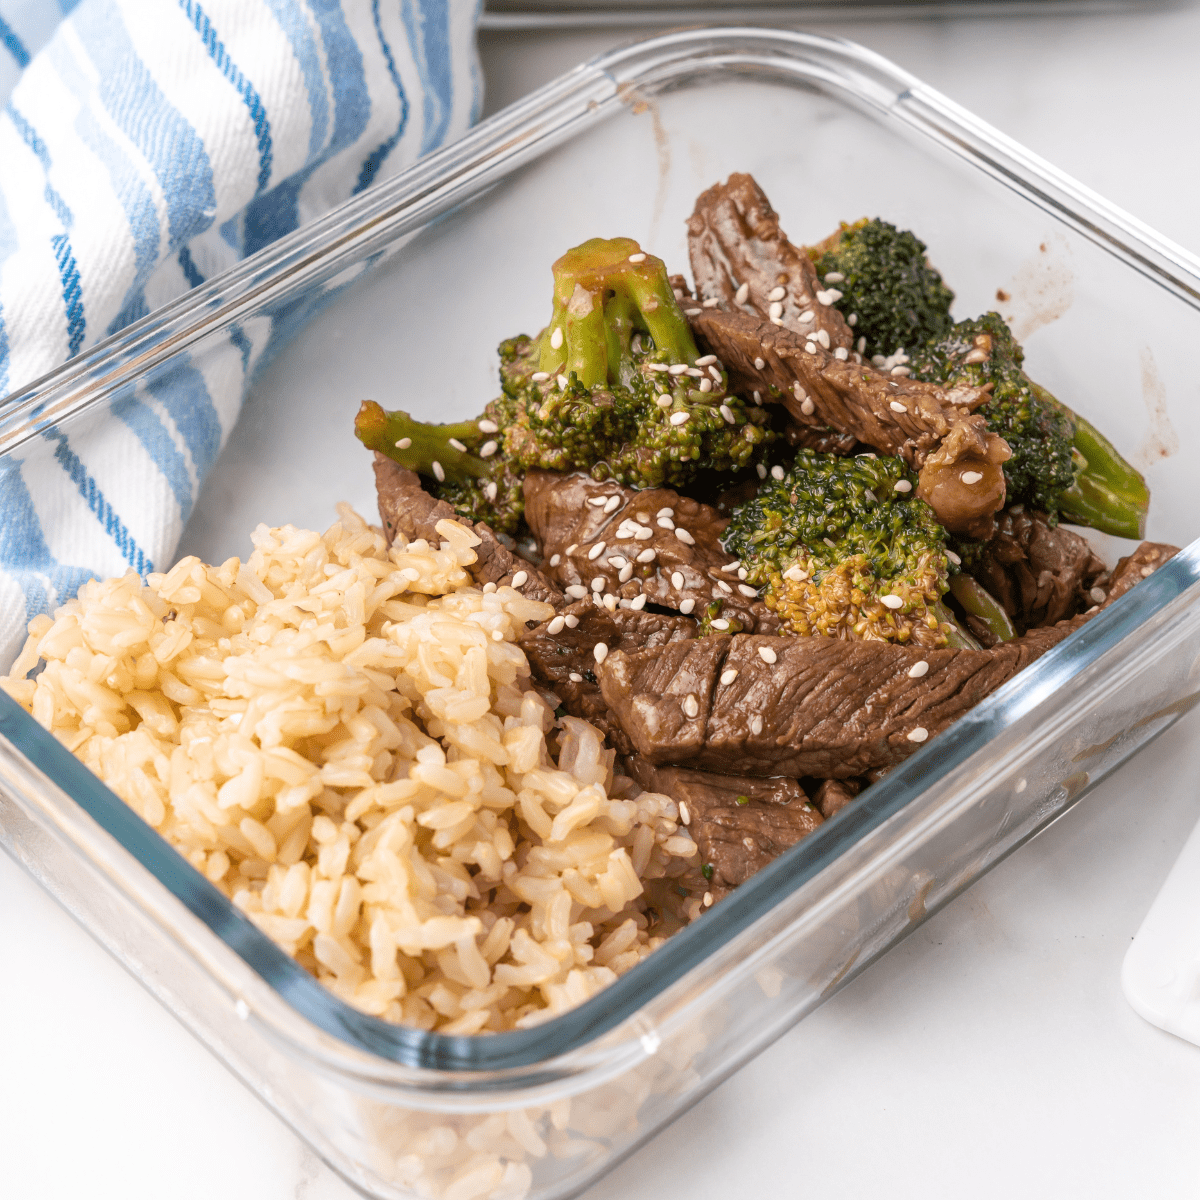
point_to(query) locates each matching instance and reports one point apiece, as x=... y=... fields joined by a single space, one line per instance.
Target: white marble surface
x=991 y=1054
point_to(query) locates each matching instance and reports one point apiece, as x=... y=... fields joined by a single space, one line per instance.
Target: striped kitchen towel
x=145 y=146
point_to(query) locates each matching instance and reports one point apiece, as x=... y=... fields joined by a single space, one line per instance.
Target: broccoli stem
x=1108 y=494
x=605 y=291
x=976 y=601
x=958 y=638
x=424 y=446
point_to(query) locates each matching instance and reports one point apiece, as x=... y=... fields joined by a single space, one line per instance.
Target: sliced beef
x=739 y=824
x=1041 y=574
x=734 y=241
x=406 y=508
x=1135 y=567
x=654 y=544
x=932 y=428
x=813 y=706
x=833 y=795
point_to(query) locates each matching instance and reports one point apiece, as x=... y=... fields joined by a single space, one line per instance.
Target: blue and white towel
x=147 y=145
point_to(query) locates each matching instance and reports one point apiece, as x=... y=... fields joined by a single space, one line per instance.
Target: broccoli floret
x=889 y=293
x=1060 y=463
x=844 y=548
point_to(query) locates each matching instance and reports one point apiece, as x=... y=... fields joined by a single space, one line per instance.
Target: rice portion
x=344 y=739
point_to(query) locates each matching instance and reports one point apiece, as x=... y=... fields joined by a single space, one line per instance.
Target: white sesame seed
x=711 y=302
x=822 y=336
x=665 y=523
x=612 y=503
x=665 y=511
x=692 y=312
x=777 y=472
x=727 y=677
x=677 y=369
x=954 y=558
x=758 y=398
x=777 y=293
x=732 y=566
x=694 y=372
x=776 y=310
x=706 y=360
x=970 y=477
x=520 y=579
x=852 y=319
x=919 y=734
x=742 y=572
x=664 y=401
x=575 y=677
x=572 y=548
x=1097 y=595
x=687 y=605
x=727 y=413
x=708 y=899
x=902 y=485
x=562 y=383
x=741 y=294
x=878 y=360
x=892 y=602
x=807 y=317
x=596 y=501
x=795 y=574
x=638 y=602
x=457 y=445
x=643 y=534
x=747 y=590
x=486 y=426
x=438 y=473
x=810 y=347
x=643 y=517
x=841 y=354
x=834 y=277
x=556 y=338
x=825 y=298
x=762 y=471
x=691 y=706
x=576 y=591
x=677 y=579
x=706 y=385
x=725 y=587
x=488 y=588
x=715 y=372
x=647 y=555
x=488 y=449
x=637 y=258
x=598 y=583
x=720 y=623
x=679 y=418
x=404 y=443
x=756 y=726
x=759 y=363
x=918 y=670
x=610 y=602
x=685 y=537
x=657 y=367
x=617 y=560
x=685 y=817
x=626 y=573
x=556 y=626
x=776 y=320
x=571 y=619
x=901 y=371
x=490 y=489
x=861 y=344
x=807 y=406
x=896 y=406
x=540 y=376
x=600 y=651
x=767 y=654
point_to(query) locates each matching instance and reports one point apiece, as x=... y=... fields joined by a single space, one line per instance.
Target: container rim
x=437 y=184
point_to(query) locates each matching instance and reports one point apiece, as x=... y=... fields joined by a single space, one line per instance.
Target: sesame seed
x=747 y=590
x=810 y=347
x=776 y=310
x=822 y=336
x=520 y=579
x=776 y=320
x=486 y=426
x=438 y=473
x=600 y=651
x=727 y=413
x=708 y=899
x=556 y=338
x=556 y=626
x=720 y=623
x=684 y=816
x=576 y=591
x=657 y=367
x=741 y=294
x=725 y=587
x=1097 y=595
x=767 y=654
x=918 y=670
x=901 y=371
x=665 y=523
x=777 y=472
x=827 y=298
x=762 y=471
x=457 y=445
x=861 y=344
x=664 y=401
x=892 y=602
x=694 y=372
x=971 y=476
x=758 y=398
x=626 y=573
x=572 y=548
x=712 y=302
x=692 y=312
x=807 y=317
x=677 y=369
x=896 y=406
x=715 y=372
x=841 y=354
x=571 y=619
x=647 y=555
x=488 y=449
x=834 y=277
x=617 y=560
x=575 y=677
x=598 y=583
x=540 y=376
x=777 y=293
x=902 y=485
x=727 y=677
x=732 y=566
x=638 y=602
x=919 y=734
x=611 y=504
x=643 y=534
x=807 y=407
x=679 y=418
x=795 y=574
x=685 y=537
x=706 y=385
x=404 y=443
x=677 y=579
x=643 y=517
x=562 y=383
x=852 y=319
x=953 y=558
x=878 y=360
x=756 y=726
x=637 y=258
x=691 y=706
x=490 y=489
x=678 y=293
x=759 y=363
x=706 y=360
x=687 y=605
x=488 y=588
x=610 y=602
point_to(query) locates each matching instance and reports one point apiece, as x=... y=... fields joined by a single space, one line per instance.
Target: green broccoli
x=889 y=293
x=843 y=547
x=614 y=386
x=1059 y=463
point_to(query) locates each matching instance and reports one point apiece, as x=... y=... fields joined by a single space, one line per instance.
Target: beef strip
x=1040 y=574
x=933 y=429
x=734 y=239
x=1133 y=568
x=739 y=824
x=834 y=794
x=572 y=515
x=813 y=706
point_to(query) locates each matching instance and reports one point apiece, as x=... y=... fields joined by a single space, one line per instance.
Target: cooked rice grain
x=344 y=739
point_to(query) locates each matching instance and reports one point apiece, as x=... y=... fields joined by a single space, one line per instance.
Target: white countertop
x=991 y=1054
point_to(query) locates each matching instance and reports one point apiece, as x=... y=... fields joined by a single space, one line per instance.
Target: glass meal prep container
x=417 y=281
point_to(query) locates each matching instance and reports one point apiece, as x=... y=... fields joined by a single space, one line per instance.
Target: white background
x=991 y=1054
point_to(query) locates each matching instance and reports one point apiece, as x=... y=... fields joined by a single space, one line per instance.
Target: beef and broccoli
x=793 y=518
